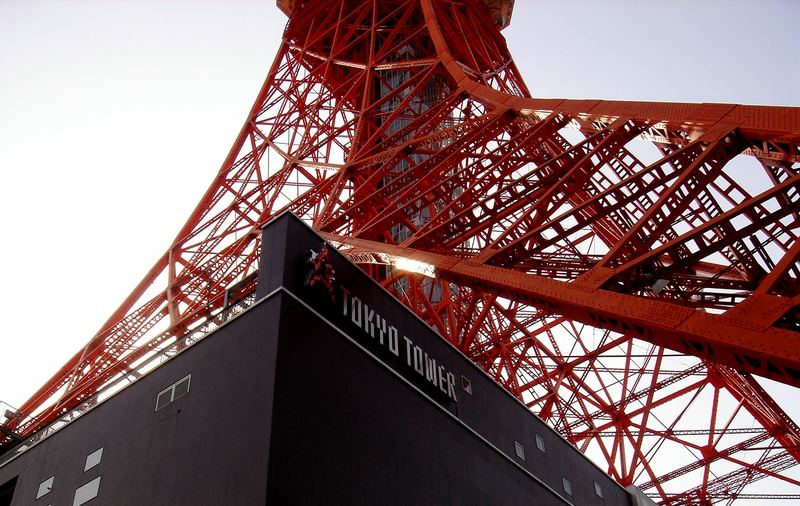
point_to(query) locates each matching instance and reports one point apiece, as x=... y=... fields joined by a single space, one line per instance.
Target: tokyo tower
x=610 y=263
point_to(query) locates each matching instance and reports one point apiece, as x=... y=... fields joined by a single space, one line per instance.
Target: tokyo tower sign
x=606 y=261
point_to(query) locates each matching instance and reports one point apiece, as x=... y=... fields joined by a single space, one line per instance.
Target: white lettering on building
x=418 y=360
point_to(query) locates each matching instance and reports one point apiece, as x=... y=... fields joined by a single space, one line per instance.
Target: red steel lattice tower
x=623 y=268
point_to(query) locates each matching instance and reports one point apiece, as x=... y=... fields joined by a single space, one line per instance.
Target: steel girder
x=621 y=267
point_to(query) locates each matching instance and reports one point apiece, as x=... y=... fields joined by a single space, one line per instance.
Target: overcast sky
x=115 y=116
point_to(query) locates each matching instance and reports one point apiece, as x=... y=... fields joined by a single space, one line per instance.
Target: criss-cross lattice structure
x=623 y=268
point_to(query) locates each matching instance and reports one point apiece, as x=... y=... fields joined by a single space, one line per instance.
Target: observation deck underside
x=501 y=10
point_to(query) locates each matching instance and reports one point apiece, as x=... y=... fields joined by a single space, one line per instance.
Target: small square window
x=519 y=449
x=93 y=459
x=87 y=492
x=164 y=398
x=567 y=486
x=540 y=443
x=598 y=490
x=181 y=388
x=45 y=487
x=172 y=392
x=466 y=384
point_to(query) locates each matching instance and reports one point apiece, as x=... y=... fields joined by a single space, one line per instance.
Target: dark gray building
x=313 y=395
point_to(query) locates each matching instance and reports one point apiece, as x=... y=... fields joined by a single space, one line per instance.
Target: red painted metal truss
x=623 y=268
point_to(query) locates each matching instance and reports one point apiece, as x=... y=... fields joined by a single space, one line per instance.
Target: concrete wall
x=489 y=410
x=207 y=447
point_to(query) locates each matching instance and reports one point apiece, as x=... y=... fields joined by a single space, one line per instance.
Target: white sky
x=115 y=116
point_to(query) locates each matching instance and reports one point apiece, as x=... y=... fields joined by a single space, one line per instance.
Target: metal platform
x=501 y=9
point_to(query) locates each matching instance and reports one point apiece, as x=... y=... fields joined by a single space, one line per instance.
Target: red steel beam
x=768 y=351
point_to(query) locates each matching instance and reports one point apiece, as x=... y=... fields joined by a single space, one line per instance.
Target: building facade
x=326 y=390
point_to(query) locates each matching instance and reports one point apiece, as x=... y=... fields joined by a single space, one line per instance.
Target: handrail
x=123 y=380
